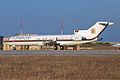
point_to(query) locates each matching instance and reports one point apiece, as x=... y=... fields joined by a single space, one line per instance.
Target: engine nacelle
x=83 y=38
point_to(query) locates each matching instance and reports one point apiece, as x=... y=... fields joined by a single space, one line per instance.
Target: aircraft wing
x=50 y=43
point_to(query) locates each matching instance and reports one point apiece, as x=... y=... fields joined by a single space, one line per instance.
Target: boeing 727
x=79 y=37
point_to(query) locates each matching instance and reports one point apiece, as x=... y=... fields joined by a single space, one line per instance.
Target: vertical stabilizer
x=95 y=30
x=98 y=28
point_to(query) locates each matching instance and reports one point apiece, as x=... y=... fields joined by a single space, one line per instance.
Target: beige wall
x=6 y=46
x=21 y=47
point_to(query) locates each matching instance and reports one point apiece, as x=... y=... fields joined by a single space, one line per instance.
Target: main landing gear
x=14 y=48
x=58 y=47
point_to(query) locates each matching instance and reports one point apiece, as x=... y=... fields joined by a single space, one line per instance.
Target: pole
x=21 y=26
x=61 y=27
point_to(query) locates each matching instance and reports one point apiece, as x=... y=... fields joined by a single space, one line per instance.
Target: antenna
x=21 y=26
x=61 y=25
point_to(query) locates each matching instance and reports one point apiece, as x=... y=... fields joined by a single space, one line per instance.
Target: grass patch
x=39 y=67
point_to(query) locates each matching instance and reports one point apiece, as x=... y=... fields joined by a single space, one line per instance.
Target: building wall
x=7 y=46
x=21 y=47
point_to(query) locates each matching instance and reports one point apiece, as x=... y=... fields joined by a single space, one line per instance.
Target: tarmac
x=64 y=52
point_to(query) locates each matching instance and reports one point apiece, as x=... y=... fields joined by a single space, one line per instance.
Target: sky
x=45 y=16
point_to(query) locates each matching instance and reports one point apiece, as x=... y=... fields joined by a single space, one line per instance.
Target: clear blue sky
x=44 y=16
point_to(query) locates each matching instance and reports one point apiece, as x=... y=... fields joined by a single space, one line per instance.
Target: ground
x=50 y=67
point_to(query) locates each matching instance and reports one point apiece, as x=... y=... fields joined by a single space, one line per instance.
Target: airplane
x=116 y=45
x=79 y=37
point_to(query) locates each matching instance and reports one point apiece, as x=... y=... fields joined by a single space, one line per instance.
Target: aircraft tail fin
x=95 y=30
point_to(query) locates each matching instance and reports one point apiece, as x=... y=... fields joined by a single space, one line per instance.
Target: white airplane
x=116 y=45
x=79 y=37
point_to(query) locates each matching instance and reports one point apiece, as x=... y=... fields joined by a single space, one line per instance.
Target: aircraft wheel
x=61 y=48
x=14 y=48
x=55 y=48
